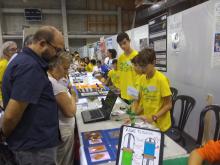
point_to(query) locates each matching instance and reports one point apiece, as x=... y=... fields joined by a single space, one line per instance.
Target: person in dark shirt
x=30 y=122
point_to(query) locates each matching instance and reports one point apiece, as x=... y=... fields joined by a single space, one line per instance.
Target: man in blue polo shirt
x=30 y=122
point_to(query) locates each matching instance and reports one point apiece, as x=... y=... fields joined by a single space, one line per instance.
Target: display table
x=171 y=148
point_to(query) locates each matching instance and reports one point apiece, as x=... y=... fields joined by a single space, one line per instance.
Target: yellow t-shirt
x=152 y=92
x=89 y=67
x=126 y=73
x=3 y=66
x=114 y=76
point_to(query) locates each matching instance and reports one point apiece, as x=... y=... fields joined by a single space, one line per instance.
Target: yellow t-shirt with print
x=3 y=66
x=152 y=92
x=114 y=76
x=126 y=73
x=89 y=67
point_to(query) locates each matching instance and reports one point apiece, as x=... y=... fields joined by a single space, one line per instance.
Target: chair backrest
x=187 y=105
x=174 y=92
x=216 y=110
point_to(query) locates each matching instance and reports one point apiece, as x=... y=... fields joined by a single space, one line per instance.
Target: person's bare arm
x=13 y=114
x=167 y=105
x=137 y=108
x=195 y=158
x=107 y=82
x=66 y=104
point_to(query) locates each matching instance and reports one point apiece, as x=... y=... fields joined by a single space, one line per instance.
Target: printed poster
x=140 y=146
x=216 y=46
x=158 y=40
x=109 y=43
x=175 y=27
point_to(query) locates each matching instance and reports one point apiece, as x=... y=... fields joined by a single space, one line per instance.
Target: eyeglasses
x=12 y=49
x=58 y=50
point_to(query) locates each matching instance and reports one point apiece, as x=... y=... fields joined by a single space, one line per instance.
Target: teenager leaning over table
x=154 y=100
x=66 y=100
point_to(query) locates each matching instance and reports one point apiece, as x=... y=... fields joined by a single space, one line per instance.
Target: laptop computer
x=102 y=113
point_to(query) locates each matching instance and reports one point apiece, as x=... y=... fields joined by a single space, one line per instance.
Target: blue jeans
x=36 y=157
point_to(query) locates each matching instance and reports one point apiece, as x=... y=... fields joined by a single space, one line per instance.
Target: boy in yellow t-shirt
x=113 y=75
x=154 y=91
x=127 y=75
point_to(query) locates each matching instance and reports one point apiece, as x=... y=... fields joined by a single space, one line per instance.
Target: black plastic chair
x=187 y=105
x=174 y=92
x=216 y=110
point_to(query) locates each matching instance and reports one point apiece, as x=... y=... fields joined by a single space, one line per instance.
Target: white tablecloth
x=171 y=148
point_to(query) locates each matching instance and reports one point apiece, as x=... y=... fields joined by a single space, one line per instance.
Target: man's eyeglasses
x=58 y=50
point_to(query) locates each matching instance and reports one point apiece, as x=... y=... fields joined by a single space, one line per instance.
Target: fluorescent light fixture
x=155 y=6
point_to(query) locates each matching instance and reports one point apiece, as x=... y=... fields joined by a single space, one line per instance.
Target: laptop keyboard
x=90 y=94
x=95 y=114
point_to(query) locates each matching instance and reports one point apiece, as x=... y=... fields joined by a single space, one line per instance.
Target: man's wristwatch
x=154 y=118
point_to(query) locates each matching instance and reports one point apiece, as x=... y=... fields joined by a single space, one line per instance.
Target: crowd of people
x=39 y=102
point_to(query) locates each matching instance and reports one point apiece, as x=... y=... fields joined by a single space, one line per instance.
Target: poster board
x=101 y=146
x=158 y=40
x=215 y=62
x=140 y=146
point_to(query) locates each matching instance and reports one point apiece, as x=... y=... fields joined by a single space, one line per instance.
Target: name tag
x=129 y=63
x=133 y=92
x=151 y=88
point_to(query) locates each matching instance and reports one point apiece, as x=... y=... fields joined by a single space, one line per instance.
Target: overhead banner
x=216 y=49
x=158 y=40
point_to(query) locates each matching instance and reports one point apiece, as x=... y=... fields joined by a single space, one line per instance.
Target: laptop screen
x=110 y=100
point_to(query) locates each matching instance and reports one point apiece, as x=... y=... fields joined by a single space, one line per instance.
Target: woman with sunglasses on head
x=66 y=100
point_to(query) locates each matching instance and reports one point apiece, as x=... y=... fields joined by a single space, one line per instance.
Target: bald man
x=30 y=123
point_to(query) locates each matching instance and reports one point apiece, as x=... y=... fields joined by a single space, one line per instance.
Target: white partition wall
x=138 y=34
x=189 y=68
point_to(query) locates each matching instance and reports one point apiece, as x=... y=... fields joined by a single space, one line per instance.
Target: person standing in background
x=91 y=67
x=111 y=55
x=27 y=42
x=113 y=76
x=9 y=48
x=125 y=69
x=30 y=122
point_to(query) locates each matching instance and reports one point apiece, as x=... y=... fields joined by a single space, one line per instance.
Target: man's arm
x=13 y=114
x=195 y=158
